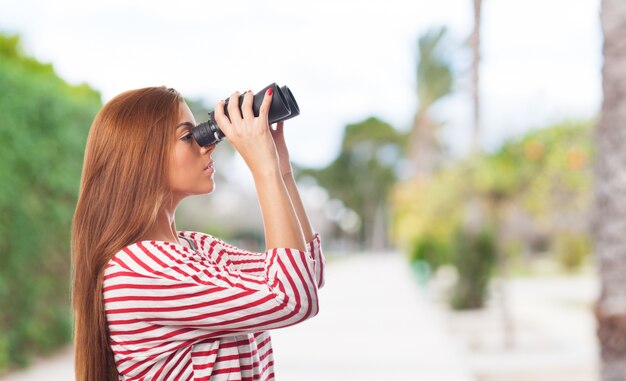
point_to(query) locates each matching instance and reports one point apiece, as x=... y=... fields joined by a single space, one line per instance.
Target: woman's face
x=191 y=168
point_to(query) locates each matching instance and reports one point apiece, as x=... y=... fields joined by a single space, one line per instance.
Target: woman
x=153 y=303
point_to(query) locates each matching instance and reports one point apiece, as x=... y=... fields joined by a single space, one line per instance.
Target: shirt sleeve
x=250 y=262
x=167 y=284
x=315 y=250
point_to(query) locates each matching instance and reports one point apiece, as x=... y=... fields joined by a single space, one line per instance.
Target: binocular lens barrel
x=283 y=107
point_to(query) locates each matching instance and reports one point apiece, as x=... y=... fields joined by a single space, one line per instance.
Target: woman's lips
x=209 y=167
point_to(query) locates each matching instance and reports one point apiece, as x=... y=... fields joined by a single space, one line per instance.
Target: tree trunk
x=379 y=231
x=422 y=150
x=475 y=45
x=609 y=217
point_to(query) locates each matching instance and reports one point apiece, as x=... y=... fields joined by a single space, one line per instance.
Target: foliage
x=545 y=179
x=365 y=170
x=533 y=189
x=434 y=80
x=572 y=249
x=430 y=250
x=434 y=74
x=43 y=133
x=474 y=258
x=548 y=168
x=428 y=213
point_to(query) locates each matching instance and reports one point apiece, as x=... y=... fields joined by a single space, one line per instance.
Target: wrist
x=266 y=172
x=286 y=169
x=285 y=164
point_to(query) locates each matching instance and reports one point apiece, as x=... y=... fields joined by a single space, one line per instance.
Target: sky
x=344 y=60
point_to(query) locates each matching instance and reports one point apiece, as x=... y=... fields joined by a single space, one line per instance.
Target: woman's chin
x=206 y=187
x=201 y=191
x=209 y=189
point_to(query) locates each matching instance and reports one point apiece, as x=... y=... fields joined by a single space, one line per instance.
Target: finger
x=265 y=105
x=233 y=108
x=246 y=107
x=222 y=120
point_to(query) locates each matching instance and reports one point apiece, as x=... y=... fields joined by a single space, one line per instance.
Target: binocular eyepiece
x=283 y=107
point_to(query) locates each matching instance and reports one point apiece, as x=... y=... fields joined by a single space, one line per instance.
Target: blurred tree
x=43 y=132
x=610 y=188
x=474 y=258
x=363 y=174
x=543 y=177
x=434 y=81
x=535 y=188
x=475 y=46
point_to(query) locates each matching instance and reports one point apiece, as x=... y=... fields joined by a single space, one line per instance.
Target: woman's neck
x=164 y=228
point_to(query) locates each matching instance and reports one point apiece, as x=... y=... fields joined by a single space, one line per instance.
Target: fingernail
x=269 y=91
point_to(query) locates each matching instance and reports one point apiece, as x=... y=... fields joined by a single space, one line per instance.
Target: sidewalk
x=59 y=367
x=374 y=324
x=551 y=331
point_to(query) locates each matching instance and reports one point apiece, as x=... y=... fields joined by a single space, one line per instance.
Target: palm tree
x=609 y=221
x=475 y=46
x=434 y=81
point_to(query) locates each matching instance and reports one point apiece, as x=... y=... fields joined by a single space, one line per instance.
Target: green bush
x=541 y=179
x=44 y=127
x=475 y=258
x=430 y=250
x=572 y=249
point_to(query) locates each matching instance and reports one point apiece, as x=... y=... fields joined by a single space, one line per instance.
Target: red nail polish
x=269 y=91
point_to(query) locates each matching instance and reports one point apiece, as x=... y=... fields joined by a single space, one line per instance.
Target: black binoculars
x=283 y=107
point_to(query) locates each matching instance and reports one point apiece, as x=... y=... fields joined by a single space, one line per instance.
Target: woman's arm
x=238 y=260
x=279 y=218
x=169 y=286
x=298 y=206
x=312 y=239
x=252 y=138
x=287 y=174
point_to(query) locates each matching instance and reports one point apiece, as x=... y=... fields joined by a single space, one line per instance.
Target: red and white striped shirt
x=178 y=314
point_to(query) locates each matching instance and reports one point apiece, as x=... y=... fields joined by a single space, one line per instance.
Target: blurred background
x=444 y=151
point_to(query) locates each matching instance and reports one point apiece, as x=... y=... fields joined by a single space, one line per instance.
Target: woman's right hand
x=250 y=135
x=252 y=138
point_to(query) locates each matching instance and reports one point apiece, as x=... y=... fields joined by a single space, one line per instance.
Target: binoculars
x=283 y=107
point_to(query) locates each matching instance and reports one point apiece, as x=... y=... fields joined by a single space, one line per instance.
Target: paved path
x=374 y=324
x=59 y=367
x=552 y=334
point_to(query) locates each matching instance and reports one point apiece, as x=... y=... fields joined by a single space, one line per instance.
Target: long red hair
x=123 y=186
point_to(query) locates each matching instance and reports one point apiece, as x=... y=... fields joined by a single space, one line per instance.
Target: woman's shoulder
x=202 y=241
x=150 y=253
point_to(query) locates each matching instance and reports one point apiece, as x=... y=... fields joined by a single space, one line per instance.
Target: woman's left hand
x=281 y=148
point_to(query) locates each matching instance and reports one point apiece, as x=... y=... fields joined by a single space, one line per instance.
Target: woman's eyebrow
x=187 y=124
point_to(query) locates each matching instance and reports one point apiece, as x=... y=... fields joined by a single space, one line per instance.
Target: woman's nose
x=207 y=149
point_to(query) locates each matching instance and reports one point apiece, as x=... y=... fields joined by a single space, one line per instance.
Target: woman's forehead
x=185 y=115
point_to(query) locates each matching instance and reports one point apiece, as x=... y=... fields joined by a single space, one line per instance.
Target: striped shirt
x=175 y=313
